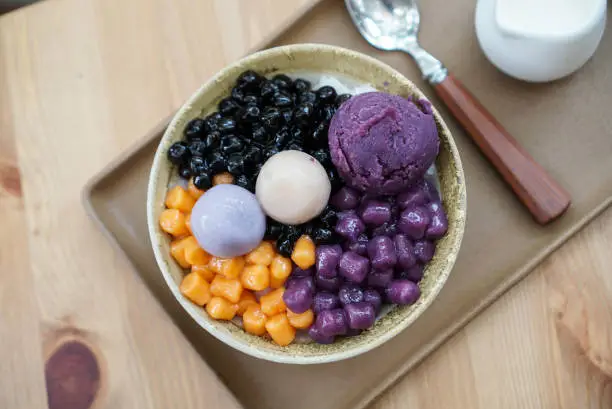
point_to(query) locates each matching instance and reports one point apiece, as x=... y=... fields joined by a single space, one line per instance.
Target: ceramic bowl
x=331 y=60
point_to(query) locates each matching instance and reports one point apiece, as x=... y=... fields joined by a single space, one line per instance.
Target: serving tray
x=566 y=126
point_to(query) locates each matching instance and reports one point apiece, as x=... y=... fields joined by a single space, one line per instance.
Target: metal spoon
x=393 y=25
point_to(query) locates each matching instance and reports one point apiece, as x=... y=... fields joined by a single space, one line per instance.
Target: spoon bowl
x=388 y=25
x=393 y=25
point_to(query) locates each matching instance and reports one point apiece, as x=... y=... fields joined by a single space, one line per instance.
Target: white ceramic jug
x=539 y=40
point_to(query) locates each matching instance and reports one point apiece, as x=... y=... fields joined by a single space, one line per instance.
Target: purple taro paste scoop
x=381 y=144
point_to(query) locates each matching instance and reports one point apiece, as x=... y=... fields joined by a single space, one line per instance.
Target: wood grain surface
x=79 y=81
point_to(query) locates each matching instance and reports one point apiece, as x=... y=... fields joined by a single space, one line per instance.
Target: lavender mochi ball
x=227 y=221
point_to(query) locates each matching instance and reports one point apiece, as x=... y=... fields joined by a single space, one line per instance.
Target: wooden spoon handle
x=536 y=189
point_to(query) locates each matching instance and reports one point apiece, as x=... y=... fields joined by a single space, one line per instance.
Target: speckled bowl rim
x=398 y=318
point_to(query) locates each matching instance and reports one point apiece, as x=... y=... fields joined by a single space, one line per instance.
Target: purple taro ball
x=345 y=199
x=353 y=267
x=327 y=259
x=439 y=222
x=298 y=297
x=293 y=280
x=360 y=315
x=382 y=253
x=300 y=281
x=424 y=250
x=315 y=334
x=403 y=292
x=376 y=212
x=404 y=251
x=373 y=297
x=350 y=293
x=331 y=322
x=325 y=301
x=417 y=195
x=413 y=222
x=349 y=225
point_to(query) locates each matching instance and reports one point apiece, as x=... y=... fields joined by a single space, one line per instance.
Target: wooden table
x=79 y=81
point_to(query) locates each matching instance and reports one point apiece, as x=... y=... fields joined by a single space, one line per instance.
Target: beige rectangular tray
x=565 y=125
